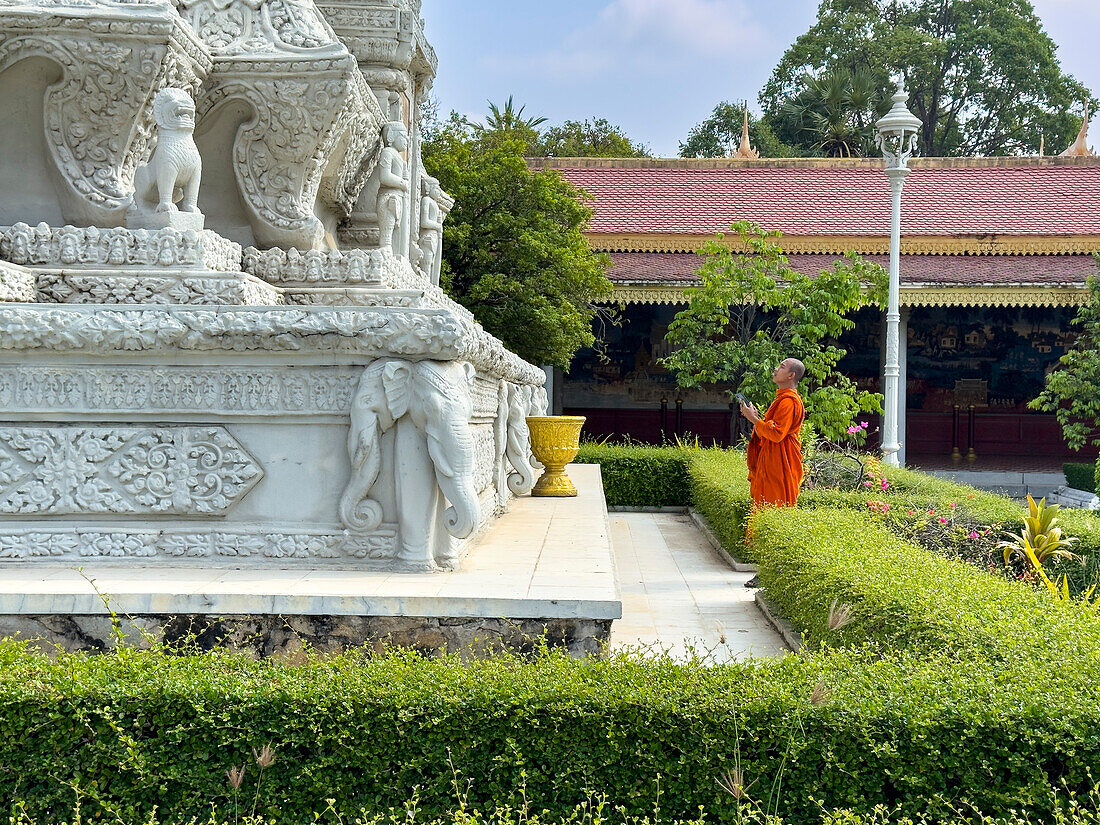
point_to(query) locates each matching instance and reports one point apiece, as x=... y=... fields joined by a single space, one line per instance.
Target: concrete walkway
x=679 y=596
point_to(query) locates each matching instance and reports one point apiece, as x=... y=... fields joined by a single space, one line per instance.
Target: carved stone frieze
x=268 y=391
x=98 y=121
x=483 y=393
x=282 y=155
x=135 y=470
x=102 y=288
x=175 y=543
x=73 y=247
x=353 y=234
x=373 y=332
x=355 y=297
x=484 y=456
x=314 y=267
x=350 y=297
x=16 y=283
x=383 y=35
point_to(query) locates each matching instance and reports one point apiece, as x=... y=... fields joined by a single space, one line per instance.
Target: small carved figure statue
x=431 y=227
x=173 y=172
x=393 y=187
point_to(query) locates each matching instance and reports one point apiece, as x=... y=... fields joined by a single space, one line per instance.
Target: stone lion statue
x=172 y=173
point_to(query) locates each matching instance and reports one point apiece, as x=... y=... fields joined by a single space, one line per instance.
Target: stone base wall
x=270 y=635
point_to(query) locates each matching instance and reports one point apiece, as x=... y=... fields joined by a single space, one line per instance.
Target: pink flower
x=952 y=505
x=931 y=512
x=863 y=424
x=853 y=430
x=885 y=485
x=943 y=520
x=973 y=535
x=912 y=512
x=867 y=484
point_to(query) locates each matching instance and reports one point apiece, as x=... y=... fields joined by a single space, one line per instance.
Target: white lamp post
x=897 y=138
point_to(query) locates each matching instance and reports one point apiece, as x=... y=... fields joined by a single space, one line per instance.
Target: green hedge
x=720 y=492
x=851 y=727
x=902 y=595
x=636 y=476
x=1080 y=476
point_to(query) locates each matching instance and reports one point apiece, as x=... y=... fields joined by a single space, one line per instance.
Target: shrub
x=720 y=492
x=1080 y=476
x=900 y=594
x=638 y=476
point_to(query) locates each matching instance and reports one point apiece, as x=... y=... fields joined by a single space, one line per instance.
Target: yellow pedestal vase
x=555 y=440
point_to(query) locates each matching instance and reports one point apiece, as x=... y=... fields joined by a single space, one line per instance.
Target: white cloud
x=648 y=37
x=713 y=27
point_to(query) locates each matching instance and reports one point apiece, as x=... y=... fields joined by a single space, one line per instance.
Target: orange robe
x=775 y=452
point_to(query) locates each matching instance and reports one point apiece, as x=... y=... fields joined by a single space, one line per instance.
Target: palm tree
x=835 y=113
x=507 y=123
x=509 y=119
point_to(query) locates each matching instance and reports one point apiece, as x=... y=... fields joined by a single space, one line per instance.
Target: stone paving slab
x=546 y=558
x=679 y=597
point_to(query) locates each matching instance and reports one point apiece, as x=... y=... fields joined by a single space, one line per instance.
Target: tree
x=982 y=75
x=834 y=115
x=1072 y=392
x=752 y=311
x=507 y=123
x=719 y=135
x=513 y=249
x=596 y=138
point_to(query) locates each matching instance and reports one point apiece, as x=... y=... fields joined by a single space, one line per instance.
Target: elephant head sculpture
x=522 y=477
x=429 y=405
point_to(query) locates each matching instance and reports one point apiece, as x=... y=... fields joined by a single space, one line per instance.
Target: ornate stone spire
x=745 y=150
x=1080 y=147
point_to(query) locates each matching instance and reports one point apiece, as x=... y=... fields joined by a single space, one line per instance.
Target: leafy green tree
x=834 y=115
x=720 y=134
x=752 y=311
x=1072 y=392
x=982 y=75
x=596 y=138
x=513 y=249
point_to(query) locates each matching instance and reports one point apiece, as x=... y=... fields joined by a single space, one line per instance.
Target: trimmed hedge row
x=902 y=595
x=851 y=728
x=1080 y=476
x=637 y=476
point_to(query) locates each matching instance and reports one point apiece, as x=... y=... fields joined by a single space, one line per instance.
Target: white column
x=892 y=371
x=903 y=352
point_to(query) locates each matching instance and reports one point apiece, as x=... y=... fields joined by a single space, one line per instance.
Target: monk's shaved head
x=797 y=367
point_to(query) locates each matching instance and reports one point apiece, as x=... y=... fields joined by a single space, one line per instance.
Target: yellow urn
x=555 y=440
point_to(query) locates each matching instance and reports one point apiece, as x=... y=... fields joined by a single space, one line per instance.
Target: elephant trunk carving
x=518 y=450
x=359 y=512
x=429 y=405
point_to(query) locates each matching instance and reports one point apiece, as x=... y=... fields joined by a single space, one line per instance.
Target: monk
x=775 y=450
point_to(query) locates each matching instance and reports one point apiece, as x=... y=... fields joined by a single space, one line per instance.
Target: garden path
x=679 y=596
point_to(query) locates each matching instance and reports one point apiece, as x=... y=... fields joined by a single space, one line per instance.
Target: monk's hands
x=748 y=409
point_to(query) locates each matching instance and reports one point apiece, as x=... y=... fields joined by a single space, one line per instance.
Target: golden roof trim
x=962 y=296
x=863 y=244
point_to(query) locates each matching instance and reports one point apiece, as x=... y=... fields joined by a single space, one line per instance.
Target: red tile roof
x=945 y=270
x=972 y=200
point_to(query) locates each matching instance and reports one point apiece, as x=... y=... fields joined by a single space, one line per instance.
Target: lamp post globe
x=896 y=136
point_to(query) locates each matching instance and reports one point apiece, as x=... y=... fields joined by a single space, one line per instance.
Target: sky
x=654 y=67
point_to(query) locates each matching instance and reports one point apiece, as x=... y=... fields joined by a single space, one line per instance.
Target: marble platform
x=544 y=567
